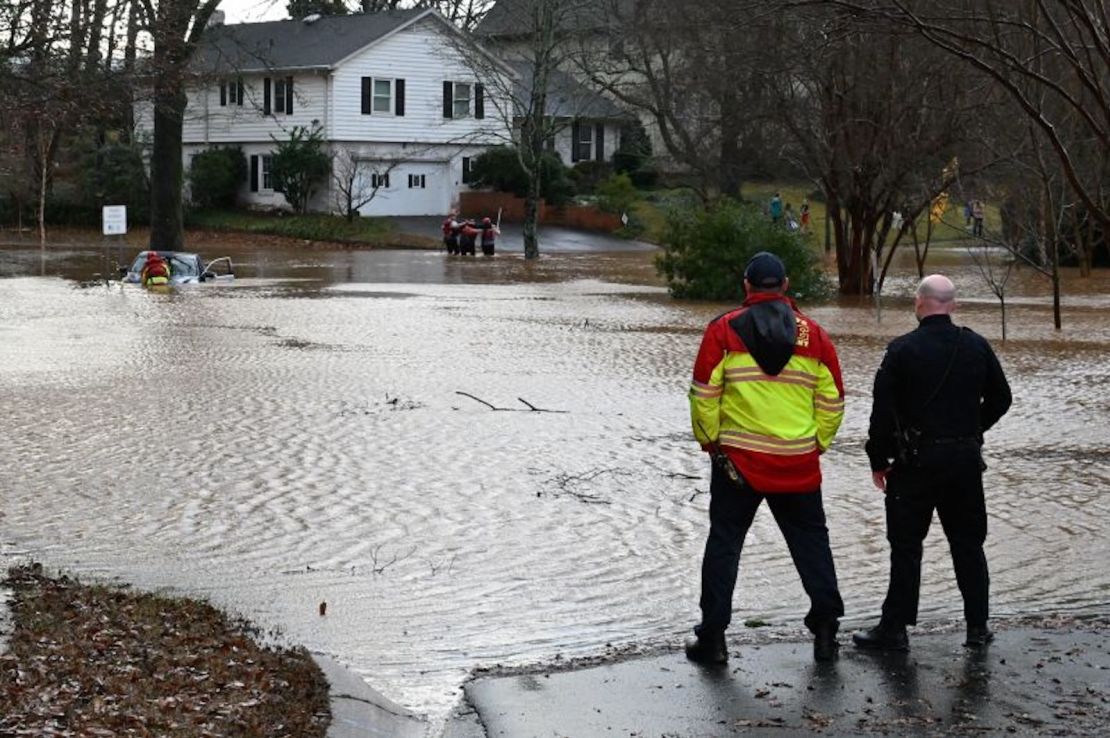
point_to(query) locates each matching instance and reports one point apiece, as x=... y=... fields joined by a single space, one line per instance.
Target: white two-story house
x=392 y=91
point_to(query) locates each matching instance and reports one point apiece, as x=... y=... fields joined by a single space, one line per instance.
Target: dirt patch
x=94 y=660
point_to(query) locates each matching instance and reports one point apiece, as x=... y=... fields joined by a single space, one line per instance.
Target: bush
x=633 y=156
x=499 y=168
x=215 y=176
x=298 y=165
x=587 y=175
x=705 y=252
x=617 y=194
x=110 y=174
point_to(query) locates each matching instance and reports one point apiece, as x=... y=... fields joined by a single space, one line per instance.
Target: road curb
x=359 y=711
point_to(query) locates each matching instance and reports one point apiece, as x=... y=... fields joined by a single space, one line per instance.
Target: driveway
x=552 y=239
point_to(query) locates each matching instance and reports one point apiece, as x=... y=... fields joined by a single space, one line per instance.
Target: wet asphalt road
x=1028 y=682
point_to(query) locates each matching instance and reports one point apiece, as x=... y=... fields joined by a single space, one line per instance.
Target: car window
x=184 y=267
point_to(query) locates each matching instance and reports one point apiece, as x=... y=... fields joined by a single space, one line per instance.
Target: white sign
x=114 y=218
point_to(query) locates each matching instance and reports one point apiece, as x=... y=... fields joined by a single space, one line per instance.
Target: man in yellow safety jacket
x=766 y=400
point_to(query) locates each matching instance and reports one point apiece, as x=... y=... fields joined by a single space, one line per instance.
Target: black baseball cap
x=765 y=270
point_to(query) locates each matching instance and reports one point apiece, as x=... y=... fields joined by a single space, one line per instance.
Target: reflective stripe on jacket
x=772 y=426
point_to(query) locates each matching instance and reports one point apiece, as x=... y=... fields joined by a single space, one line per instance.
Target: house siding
x=425 y=60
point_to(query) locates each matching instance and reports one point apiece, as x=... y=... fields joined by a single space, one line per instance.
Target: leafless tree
x=540 y=48
x=1052 y=57
x=356 y=181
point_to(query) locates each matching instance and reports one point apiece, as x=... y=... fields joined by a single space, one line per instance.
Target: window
x=461 y=107
x=583 y=142
x=383 y=95
x=416 y=181
x=456 y=100
x=467 y=175
x=231 y=92
x=379 y=180
x=283 y=95
x=267 y=176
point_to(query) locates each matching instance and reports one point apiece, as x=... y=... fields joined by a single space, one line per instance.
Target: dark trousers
x=800 y=517
x=955 y=491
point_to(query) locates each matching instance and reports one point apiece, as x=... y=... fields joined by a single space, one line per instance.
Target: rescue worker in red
x=489 y=236
x=155 y=271
x=468 y=238
x=451 y=232
x=767 y=398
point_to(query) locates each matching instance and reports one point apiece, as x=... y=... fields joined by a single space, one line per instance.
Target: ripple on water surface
x=270 y=451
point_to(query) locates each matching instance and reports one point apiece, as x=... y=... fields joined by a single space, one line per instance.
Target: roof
x=566 y=96
x=294 y=44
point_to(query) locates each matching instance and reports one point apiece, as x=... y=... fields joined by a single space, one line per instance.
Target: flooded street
x=298 y=437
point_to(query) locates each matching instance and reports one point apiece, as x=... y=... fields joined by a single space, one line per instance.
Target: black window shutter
x=254 y=172
x=289 y=95
x=399 y=99
x=575 y=133
x=223 y=94
x=466 y=170
x=366 y=107
x=479 y=101
x=266 y=96
x=599 y=134
x=448 y=101
x=239 y=92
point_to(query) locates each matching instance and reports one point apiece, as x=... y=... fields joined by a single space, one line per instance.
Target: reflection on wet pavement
x=297 y=437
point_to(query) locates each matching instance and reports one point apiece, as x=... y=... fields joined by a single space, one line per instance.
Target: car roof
x=168 y=254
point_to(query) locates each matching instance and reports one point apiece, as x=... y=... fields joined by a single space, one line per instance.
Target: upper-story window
x=231 y=92
x=457 y=100
x=383 y=96
x=277 y=96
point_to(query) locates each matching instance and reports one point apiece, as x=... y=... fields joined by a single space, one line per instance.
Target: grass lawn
x=380 y=232
x=651 y=212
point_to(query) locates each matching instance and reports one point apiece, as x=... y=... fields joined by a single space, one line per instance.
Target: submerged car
x=185 y=268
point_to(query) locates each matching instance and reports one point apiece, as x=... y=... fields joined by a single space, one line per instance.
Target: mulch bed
x=95 y=660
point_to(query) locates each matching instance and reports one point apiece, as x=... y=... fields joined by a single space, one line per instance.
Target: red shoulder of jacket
x=722 y=332
x=812 y=340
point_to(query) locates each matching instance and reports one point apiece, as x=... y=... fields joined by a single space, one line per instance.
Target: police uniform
x=939 y=388
x=767 y=392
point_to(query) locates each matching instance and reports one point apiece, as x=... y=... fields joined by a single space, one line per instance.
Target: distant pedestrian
x=939 y=388
x=766 y=400
x=776 y=209
x=967 y=213
x=788 y=217
x=805 y=215
x=977 y=216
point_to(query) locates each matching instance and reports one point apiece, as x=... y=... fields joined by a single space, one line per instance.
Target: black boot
x=825 y=645
x=885 y=636
x=707 y=648
x=978 y=636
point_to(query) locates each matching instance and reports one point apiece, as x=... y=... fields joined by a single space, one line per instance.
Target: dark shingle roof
x=566 y=96
x=294 y=44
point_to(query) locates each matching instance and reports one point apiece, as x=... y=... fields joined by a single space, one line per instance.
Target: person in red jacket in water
x=489 y=236
x=155 y=271
x=766 y=400
x=451 y=232
x=468 y=238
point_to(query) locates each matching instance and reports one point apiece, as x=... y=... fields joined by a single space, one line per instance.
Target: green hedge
x=705 y=252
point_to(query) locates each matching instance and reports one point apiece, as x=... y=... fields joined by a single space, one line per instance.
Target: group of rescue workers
x=462 y=236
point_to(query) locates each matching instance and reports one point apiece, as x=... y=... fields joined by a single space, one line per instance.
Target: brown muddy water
x=296 y=437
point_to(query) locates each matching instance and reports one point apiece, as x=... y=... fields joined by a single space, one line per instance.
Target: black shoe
x=883 y=637
x=825 y=645
x=978 y=636
x=707 y=648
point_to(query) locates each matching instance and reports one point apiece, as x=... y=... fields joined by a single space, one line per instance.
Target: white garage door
x=412 y=188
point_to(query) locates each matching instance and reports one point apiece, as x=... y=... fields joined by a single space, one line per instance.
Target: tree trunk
x=166 y=170
x=532 y=218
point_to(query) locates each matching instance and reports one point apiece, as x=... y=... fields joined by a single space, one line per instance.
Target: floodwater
x=299 y=437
